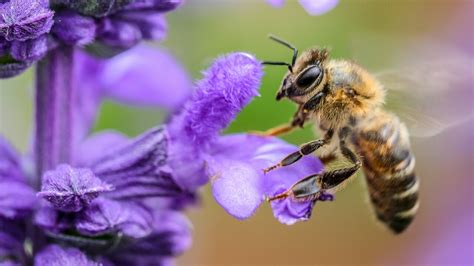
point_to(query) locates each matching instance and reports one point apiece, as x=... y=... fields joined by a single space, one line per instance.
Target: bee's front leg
x=298 y=120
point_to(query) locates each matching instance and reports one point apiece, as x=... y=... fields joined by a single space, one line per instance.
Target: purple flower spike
x=228 y=85
x=71 y=189
x=74 y=29
x=56 y=255
x=22 y=20
x=106 y=216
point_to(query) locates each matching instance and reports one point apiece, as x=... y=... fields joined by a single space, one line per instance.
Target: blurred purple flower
x=313 y=7
x=142 y=76
x=31 y=28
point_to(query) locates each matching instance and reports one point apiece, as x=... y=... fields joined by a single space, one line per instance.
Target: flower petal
x=10 y=168
x=236 y=187
x=71 y=189
x=56 y=255
x=318 y=7
x=12 y=235
x=152 y=25
x=138 y=168
x=243 y=158
x=92 y=149
x=146 y=76
x=118 y=34
x=16 y=200
x=52 y=220
x=29 y=50
x=171 y=236
x=73 y=29
x=87 y=93
x=22 y=20
x=106 y=216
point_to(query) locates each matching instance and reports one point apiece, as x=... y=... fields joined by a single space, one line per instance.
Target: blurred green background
x=341 y=232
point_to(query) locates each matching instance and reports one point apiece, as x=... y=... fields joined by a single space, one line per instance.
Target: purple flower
x=116 y=200
x=313 y=7
x=95 y=192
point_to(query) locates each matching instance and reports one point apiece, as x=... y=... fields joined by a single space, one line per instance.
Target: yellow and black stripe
x=389 y=168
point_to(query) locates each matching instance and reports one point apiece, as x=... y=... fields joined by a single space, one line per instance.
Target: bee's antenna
x=287 y=44
x=290 y=67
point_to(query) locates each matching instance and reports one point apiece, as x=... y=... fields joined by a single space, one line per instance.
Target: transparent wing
x=430 y=87
x=431 y=96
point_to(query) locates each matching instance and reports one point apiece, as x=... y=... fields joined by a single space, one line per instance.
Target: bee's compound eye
x=308 y=77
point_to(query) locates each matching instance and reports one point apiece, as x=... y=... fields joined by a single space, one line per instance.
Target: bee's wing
x=430 y=96
x=429 y=84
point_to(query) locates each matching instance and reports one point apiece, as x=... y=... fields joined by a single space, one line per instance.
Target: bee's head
x=306 y=73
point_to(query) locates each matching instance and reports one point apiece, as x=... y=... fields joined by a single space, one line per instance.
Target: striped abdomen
x=388 y=165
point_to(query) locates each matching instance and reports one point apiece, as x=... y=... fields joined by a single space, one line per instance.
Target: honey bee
x=346 y=102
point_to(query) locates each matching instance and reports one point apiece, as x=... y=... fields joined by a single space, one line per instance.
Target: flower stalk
x=54 y=92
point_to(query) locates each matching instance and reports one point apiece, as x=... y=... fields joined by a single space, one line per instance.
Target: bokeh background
x=344 y=231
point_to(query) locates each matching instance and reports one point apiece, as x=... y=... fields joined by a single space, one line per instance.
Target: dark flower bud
x=94 y=8
x=71 y=189
x=22 y=20
x=9 y=67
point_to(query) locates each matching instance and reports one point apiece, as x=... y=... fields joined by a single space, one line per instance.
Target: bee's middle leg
x=305 y=149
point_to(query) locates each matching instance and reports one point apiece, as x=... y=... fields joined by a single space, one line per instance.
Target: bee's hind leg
x=317 y=186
